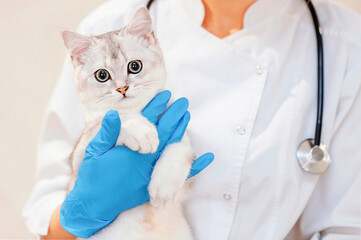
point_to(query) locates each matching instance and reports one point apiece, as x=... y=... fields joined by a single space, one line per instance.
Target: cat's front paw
x=164 y=192
x=140 y=136
x=169 y=174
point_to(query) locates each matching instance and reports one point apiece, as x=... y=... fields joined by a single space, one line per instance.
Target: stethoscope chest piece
x=313 y=159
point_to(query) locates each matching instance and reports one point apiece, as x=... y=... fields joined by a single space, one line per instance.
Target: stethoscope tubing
x=320 y=84
x=149 y=4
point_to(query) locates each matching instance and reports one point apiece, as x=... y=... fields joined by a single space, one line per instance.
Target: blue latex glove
x=113 y=179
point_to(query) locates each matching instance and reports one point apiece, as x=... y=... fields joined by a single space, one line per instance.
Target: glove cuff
x=74 y=218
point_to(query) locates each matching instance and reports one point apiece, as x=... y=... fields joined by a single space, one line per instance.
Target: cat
x=132 y=59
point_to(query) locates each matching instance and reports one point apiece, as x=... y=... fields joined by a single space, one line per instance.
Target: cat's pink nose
x=122 y=90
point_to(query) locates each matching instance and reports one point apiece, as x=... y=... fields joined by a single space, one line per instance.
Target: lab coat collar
x=259 y=12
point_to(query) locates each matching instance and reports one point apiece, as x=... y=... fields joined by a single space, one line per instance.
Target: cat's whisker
x=106 y=97
x=148 y=84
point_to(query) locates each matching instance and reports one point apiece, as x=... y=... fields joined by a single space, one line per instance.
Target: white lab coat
x=252 y=100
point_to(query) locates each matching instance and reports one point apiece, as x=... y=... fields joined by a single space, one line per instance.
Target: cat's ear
x=76 y=44
x=140 y=24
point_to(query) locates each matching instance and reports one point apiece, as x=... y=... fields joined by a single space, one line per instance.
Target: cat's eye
x=102 y=75
x=134 y=66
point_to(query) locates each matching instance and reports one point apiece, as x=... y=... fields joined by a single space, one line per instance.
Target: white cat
x=123 y=70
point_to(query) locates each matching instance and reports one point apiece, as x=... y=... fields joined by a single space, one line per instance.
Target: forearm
x=56 y=231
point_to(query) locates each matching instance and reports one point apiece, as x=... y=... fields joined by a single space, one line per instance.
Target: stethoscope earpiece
x=312 y=158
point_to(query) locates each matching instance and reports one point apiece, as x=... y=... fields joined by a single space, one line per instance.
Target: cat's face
x=119 y=70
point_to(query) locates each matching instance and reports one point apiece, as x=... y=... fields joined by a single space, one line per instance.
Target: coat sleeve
x=62 y=126
x=333 y=211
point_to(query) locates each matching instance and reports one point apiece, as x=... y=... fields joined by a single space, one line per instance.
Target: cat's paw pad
x=142 y=138
x=163 y=193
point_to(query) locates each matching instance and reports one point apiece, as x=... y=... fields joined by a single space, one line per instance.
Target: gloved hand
x=113 y=179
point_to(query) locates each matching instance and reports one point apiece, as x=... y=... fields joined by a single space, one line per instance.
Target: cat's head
x=119 y=70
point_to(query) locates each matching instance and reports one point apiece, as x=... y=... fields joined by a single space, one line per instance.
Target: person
x=249 y=71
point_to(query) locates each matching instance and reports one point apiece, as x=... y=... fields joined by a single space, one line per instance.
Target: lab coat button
x=227 y=196
x=259 y=70
x=241 y=130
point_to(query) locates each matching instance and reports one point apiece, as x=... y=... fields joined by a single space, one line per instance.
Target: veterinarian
x=251 y=72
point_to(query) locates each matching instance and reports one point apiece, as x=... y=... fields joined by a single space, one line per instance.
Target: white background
x=32 y=53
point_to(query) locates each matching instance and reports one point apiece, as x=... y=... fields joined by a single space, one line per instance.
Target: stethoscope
x=312 y=155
